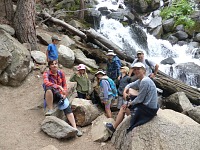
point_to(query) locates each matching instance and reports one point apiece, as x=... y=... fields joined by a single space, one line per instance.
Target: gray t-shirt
x=148 y=69
x=147 y=92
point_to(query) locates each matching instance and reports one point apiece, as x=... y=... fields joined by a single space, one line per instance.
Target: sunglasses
x=136 y=68
x=54 y=64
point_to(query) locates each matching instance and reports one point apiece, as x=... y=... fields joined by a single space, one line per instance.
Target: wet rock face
x=189 y=73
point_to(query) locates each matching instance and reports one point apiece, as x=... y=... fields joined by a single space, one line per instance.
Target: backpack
x=112 y=86
x=147 y=62
x=59 y=73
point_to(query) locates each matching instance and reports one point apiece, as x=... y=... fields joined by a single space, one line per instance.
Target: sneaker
x=79 y=133
x=49 y=112
x=110 y=128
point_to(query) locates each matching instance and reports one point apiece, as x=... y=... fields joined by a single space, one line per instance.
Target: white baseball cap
x=111 y=54
x=139 y=65
x=100 y=72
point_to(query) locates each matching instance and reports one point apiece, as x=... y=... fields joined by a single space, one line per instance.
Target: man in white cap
x=113 y=66
x=142 y=107
x=52 y=51
x=151 y=67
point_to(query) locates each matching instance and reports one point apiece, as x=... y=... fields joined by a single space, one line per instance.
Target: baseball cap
x=81 y=66
x=100 y=72
x=55 y=37
x=111 y=54
x=140 y=52
x=63 y=104
x=139 y=65
x=126 y=68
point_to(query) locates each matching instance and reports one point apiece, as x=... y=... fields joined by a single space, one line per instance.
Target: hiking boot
x=49 y=112
x=110 y=128
x=79 y=133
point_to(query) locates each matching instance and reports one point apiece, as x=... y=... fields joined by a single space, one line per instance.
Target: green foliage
x=180 y=10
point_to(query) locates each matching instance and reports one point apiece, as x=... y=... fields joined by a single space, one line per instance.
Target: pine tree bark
x=9 y=10
x=24 y=22
x=82 y=7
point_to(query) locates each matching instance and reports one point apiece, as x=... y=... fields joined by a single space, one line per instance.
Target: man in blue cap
x=56 y=91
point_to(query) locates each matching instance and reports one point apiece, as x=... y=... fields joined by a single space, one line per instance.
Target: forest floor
x=21 y=118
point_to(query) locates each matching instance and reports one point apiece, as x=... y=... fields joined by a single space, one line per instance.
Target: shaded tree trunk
x=24 y=22
x=9 y=10
x=82 y=6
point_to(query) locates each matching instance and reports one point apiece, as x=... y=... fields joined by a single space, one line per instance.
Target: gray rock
x=196 y=53
x=158 y=32
x=98 y=131
x=181 y=43
x=177 y=102
x=76 y=24
x=168 y=130
x=93 y=16
x=82 y=59
x=17 y=60
x=39 y=57
x=5 y=57
x=57 y=128
x=168 y=61
x=172 y=39
x=155 y=22
x=195 y=114
x=7 y=28
x=116 y=15
x=197 y=37
x=44 y=38
x=181 y=35
x=66 y=56
x=168 y=25
x=180 y=27
x=65 y=40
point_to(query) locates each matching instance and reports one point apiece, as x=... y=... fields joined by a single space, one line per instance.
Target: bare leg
x=120 y=116
x=49 y=99
x=108 y=113
x=71 y=119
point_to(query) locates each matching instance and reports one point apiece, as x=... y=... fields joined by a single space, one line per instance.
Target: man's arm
x=156 y=69
x=130 y=72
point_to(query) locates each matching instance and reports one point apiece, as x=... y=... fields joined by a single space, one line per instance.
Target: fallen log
x=171 y=86
x=91 y=33
x=63 y=24
x=84 y=111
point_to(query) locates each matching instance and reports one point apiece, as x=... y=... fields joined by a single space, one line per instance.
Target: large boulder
x=168 y=25
x=82 y=59
x=7 y=28
x=57 y=128
x=155 y=22
x=15 y=60
x=44 y=37
x=93 y=16
x=65 y=56
x=194 y=113
x=65 y=40
x=181 y=35
x=157 y=32
x=39 y=57
x=169 y=61
x=84 y=111
x=99 y=131
x=178 y=102
x=169 y=130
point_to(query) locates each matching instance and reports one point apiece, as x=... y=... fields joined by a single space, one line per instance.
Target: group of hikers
x=133 y=88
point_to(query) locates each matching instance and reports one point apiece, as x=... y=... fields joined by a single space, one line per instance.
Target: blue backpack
x=112 y=86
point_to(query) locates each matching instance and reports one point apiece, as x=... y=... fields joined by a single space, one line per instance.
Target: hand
x=61 y=88
x=152 y=75
x=125 y=95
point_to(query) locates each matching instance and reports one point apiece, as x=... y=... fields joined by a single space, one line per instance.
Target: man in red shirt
x=55 y=90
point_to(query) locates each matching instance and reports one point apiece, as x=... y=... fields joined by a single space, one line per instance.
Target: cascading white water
x=158 y=49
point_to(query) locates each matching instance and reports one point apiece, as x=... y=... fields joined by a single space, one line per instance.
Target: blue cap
x=64 y=105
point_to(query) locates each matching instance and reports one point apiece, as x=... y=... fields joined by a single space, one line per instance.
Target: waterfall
x=158 y=49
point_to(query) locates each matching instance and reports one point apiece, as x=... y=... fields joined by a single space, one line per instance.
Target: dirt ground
x=21 y=118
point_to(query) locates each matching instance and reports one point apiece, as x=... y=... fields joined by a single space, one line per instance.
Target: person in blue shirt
x=113 y=66
x=52 y=51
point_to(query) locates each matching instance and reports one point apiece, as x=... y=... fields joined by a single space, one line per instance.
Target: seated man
x=55 y=90
x=143 y=107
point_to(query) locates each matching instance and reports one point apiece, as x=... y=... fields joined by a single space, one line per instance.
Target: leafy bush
x=180 y=10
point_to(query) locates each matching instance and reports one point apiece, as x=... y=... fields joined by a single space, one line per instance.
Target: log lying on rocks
x=63 y=24
x=91 y=33
x=171 y=86
x=84 y=111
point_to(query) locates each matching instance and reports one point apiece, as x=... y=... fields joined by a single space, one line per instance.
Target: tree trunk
x=24 y=22
x=82 y=11
x=9 y=10
x=64 y=24
x=84 y=111
x=106 y=42
x=171 y=86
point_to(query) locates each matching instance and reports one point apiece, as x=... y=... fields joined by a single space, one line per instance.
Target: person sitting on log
x=106 y=94
x=56 y=92
x=151 y=67
x=113 y=66
x=52 y=51
x=83 y=82
x=142 y=107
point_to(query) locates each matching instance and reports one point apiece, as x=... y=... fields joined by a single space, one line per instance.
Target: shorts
x=108 y=102
x=120 y=102
x=67 y=110
x=56 y=94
